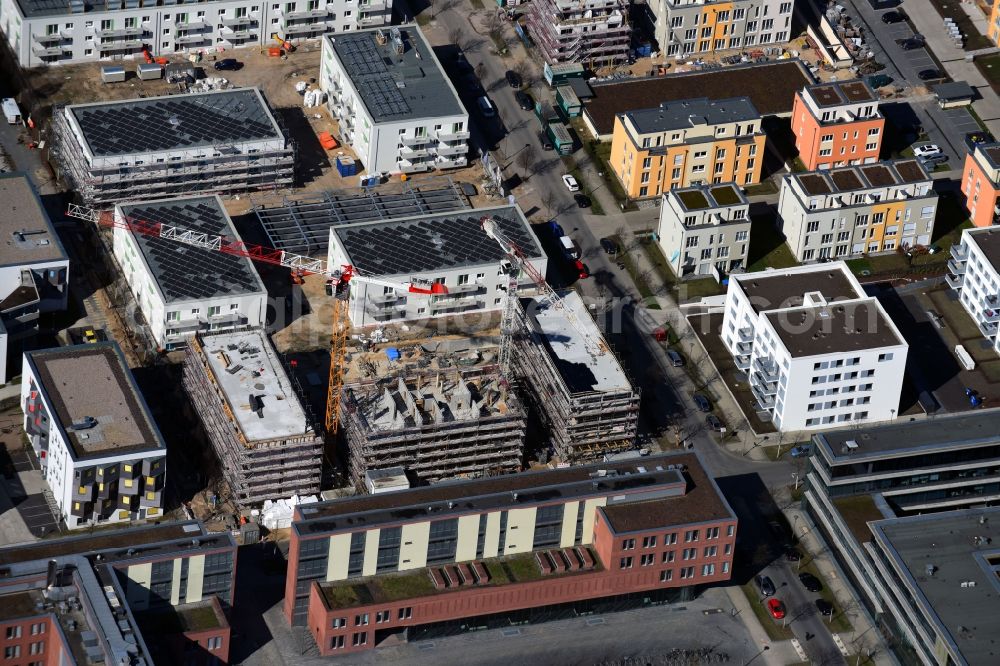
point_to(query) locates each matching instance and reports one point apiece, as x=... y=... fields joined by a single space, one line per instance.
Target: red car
x=581 y=269
x=776 y=608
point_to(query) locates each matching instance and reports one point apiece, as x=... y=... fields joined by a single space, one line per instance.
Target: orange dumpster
x=327 y=141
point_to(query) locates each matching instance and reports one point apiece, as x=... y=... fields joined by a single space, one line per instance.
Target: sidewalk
x=778 y=653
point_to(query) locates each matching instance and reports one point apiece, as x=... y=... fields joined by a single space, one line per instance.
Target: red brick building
x=837 y=124
x=364 y=571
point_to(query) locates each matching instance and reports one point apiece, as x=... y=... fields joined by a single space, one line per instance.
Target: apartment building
x=817 y=351
x=981 y=184
x=156 y=594
x=685 y=27
x=394 y=104
x=182 y=289
x=974 y=272
x=485 y=549
x=450 y=248
x=593 y=32
x=705 y=229
x=932 y=477
x=96 y=442
x=685 y=143
x=857 y=210
x=47 y=33
x=837 y=124
x=34 y=267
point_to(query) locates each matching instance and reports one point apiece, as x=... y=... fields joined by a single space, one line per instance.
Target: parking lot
x=27 y=492
x=961 y=120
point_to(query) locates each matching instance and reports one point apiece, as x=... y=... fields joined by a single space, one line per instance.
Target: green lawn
x=798 y=166
x=839 y=623
x=600 y=153
x=655 y=254
x=761 y=188
x=953 y=9
x=773 y=627
x=857 y=511
x=693 y=290
x=767 y=247
x=595 y=206
x=478 y=4
x=644 y=289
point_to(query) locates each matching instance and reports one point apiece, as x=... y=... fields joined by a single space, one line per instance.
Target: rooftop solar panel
x=184 y=272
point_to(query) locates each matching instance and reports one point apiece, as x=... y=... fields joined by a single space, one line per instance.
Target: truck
x=570 y=249
x=11 y=112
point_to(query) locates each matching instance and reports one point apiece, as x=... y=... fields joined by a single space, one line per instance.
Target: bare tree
x=480 y=71
x=455 y=36
x=526 y=159
x=549 y=200
x=523 y=70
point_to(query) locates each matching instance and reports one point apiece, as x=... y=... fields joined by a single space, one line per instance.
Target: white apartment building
x=705 y=229
x=974 y=272
x=34 y=267
x=96 y=442
x=700 y=26
x=817 y=351
x=394 y=104
x=42 y=32
x=448 y=248
x=181 y=289
x=857 y=210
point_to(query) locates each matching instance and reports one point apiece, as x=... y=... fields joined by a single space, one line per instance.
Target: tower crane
x=339 y=280
x=518 y=264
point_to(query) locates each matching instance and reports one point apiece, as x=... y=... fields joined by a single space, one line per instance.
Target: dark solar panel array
x=375 y=84
x=183 y=121
x=184 y=272
x=430 y=244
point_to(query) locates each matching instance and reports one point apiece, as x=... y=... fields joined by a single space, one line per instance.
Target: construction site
x=223 y=141
x=250 y=408
x=581 y=391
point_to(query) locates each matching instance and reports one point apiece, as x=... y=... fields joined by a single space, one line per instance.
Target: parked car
x=765 y=585
x=931 y=74
x=524 y=100
x=546 y=142
x=926 y=150
x=810 y=582
x=801 y=451
x=932 y=161
x=824 y=607
x=792 y=554
x=911 y=43
x=609 y=246
x=486 y=107
x=582 y=272
x=714 y=424
x=582 y=200
x=570 y=183
x=513 y=79
x=894 y=16
x=228 y=65
x=676 y=360
x=701 y=402
x=776 y=608
x=461 y=64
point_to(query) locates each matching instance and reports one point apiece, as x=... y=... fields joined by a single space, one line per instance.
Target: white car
x=926 y=150
x=571 y=183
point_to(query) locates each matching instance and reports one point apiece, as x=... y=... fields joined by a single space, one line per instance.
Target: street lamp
x=762 y=651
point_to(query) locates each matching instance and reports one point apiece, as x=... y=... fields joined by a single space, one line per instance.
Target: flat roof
x=92 y=380
x=770 y=86
x=837 y=93
x=185 y=272
x=950 y=562
x=427 y=243
x=953 y=90
x=394 y=85
x=784 y=288
x=853 y=178
x=452 y=498
x=680 y=114
x=834 y=329
x=988 y=241
x=302 y=225
x=32 y=8
x=26 y=232
x=700 y=197
x=219 y=118
x=581 y=370
x=250 y=375
x=950 y=431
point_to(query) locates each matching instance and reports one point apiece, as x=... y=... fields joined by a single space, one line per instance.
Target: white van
x=486 y=107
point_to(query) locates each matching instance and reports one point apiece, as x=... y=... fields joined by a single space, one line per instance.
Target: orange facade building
x=981 y=184
x=837 y=124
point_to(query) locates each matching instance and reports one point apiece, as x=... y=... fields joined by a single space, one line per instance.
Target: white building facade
x=78 y=31
x=699 y=26
x=974 y=272
x=705 y=229
x=394 y=104
x=96 y=442
x=857 y=210
x=181 y=290
x=817 y=351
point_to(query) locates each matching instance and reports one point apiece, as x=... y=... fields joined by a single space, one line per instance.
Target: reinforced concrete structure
x=50 y=32
x=593 y=33
x=436 y=425
x=97 y=444
x=581 y=392
x=264 y=438
x=156 y=594
x=646 y=530
x=222 y=141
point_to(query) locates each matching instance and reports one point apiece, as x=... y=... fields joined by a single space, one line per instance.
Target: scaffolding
x=233 y=167
x=593 y=33
x=437 y=424
x=255 y=468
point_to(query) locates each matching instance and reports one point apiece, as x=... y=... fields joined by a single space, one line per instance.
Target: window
x=670 y=539
x=14 y=632
x=382 y=616
x=214 y=642
x=12 y=651
x=337 y=642
x=687 y=572
x=647 y=560
x=359 y=639
x=712 y=533
x=338 y=622
x=710 y=551
x=826 y=138
x=668 y=556
x=666 y=575
x=405 y=613
x=628 y=544
x=649 y=542
x=625 y=563
x=361 y=620
x=708 y=570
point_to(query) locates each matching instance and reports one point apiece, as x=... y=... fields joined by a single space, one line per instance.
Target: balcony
x=192 y=39
x=744 y=347
x=448 y=303
x=464 y=288
x=122 y=46
x=990 y=315
x=766 y=369
x=406 y=166
x=239 y=35
x=383 y=299
x=960 y=252
x=366 y=21
x=48 y=39
x=445 y=163
x=190 y=25
x=411 y=153
x=764 y=402
x=743 y=362
x=767 y=388
x=451 y=135
x=118 y=34
x=745 y=334
x=305 y=28
x=416 y=140
x=50 y=51
x=237 y=22
x=957 y=267
x=374 y=6
x=452 y=149
x=954 y=281
x=308 y=14
x=988 y=328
